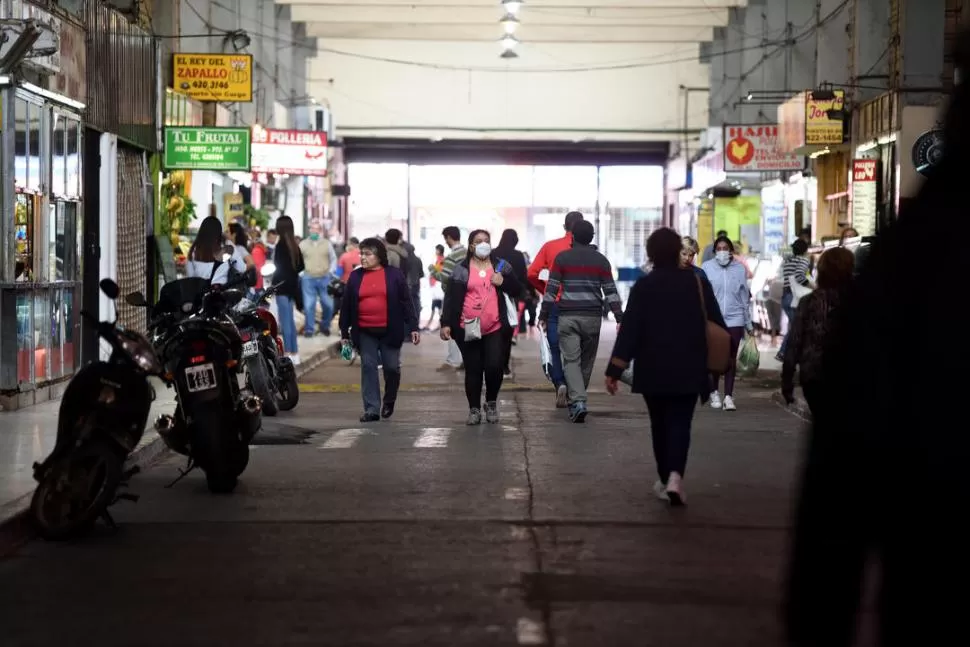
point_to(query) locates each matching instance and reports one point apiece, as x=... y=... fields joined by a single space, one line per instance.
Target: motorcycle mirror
x=136 y=299
x=268 y=269
x=110 y=288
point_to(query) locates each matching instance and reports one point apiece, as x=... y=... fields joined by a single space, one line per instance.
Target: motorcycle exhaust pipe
x=164 y=424
x=252 y=405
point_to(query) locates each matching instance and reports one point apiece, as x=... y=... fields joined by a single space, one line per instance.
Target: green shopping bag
x=749 y=357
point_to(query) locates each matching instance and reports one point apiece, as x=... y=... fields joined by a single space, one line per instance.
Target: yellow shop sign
x=214 y=77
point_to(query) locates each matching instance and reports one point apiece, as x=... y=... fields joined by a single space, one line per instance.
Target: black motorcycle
x=201 y=351
x=102 y=418
x=270 y=373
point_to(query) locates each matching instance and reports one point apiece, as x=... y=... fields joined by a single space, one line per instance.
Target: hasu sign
x=755 y=149
x=289 y=152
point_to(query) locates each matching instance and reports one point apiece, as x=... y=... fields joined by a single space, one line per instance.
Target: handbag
x=718 y=339
x=473 y=326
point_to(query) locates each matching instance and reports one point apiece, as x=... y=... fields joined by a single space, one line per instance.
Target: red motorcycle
x=270 y=373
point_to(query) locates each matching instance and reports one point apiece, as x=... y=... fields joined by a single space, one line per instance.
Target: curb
x=799 y=408
x=15 y=525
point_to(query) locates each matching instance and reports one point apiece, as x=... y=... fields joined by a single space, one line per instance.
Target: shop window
x=20 y=145
x=63 y=320
x=59 y=155
x=25 y=213
x=73 y=159
x=63 y=241
x=34 y=124
x=32 y=330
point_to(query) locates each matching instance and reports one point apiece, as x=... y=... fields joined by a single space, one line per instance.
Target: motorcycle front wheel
x=289 y=392
x=76 y=490
x=262 y=387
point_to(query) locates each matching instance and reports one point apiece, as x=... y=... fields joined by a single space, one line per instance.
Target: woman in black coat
x=664 y=333
x=506 y=250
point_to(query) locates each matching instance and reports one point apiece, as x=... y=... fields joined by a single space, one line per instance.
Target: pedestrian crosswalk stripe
x=433 y=437
x=343 y=439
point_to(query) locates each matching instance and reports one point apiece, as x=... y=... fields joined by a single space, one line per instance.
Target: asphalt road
x=422 y=531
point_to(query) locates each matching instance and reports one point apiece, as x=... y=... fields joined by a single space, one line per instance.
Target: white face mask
x=482 y=250
x=723 y=257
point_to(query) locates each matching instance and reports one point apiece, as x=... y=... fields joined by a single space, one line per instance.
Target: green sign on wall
x=207 y=149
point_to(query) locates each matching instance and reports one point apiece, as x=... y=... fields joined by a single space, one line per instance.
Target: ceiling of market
x=585 y=69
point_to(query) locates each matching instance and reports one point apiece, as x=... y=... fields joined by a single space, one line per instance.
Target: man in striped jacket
x=582 y=279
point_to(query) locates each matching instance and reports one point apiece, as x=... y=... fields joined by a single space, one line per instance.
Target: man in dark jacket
x=583 y=280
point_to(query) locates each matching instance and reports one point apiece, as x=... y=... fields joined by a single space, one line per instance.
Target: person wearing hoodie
x=506 y=250
x=728 y=277
x=397 y=253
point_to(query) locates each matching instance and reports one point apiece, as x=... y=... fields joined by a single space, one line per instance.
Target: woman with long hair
x=377 y=316
x=289 y=264
x=475 y=315
x=239 y=239
x=205 y=255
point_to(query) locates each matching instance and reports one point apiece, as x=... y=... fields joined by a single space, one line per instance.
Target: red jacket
x=543 y=260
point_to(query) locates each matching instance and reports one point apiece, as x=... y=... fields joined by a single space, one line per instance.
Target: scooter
x=102 y=418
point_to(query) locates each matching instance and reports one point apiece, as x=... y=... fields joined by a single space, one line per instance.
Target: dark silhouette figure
x=885 y=479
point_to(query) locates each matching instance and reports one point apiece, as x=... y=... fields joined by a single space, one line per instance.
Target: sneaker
x=715 y=400
x=779 y=357
x=491 y=412
x=562 y=394
x=370 y=417
x=474 y=417
x=660 y=491
x=508 y=375
x=729 y=403
x=674 y=490
x=578 y=412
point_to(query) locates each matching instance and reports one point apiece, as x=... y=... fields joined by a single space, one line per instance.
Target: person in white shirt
x=205 y=255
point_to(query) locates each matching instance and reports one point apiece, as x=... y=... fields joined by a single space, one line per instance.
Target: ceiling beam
x=671 y=5
x=441 y=14
x=546 y=34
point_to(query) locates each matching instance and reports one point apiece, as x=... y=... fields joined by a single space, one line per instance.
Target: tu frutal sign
x=755 y=148
x=206 y=149
x=214 y=77
x=290 y=152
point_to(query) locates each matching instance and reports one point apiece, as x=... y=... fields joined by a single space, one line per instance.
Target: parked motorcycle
x=271 y=374
x=102 y=418
x=201 y=349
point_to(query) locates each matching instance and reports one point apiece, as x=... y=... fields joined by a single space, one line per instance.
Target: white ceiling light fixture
x=512 y=6
x=509 y=23
x=509 y=42
x=509 y=53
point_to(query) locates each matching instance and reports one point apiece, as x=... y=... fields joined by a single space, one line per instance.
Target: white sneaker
x=562 y=397
x=715 y=400
x=674 y=491
x=660 y=491
x=729 y=403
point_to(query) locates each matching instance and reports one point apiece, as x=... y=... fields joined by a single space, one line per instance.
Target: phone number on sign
x=210 y=85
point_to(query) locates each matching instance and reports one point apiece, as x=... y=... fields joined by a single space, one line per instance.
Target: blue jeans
x=552 y=334
x=316 y=287
x=789 y=311
x=374 y=351
x=287 y=323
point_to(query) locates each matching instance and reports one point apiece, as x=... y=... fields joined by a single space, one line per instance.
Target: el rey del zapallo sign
x=214 y=77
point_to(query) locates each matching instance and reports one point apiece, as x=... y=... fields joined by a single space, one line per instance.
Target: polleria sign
x=207 y=149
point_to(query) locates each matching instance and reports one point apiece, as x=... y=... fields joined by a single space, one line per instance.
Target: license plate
x=201 y=378
x=250 y=348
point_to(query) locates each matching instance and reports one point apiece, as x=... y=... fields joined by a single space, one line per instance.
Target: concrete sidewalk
x=27 y=435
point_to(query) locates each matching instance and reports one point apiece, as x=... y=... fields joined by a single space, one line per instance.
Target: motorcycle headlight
x=141 y=353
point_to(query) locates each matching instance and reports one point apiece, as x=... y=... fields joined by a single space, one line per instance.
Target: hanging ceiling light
x=509 y=53
x=509 y=23
x=509 y=42
x=512 y=6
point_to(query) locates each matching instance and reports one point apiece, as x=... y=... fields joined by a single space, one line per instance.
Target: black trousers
x=484 y=361
x=670 y=420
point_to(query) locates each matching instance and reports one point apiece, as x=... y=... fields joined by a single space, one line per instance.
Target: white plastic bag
x=627 y=377
x=511 y=311
x=545 y=357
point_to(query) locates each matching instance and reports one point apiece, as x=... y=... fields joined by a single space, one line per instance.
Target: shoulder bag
x=473 y=326
x=718 y=339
